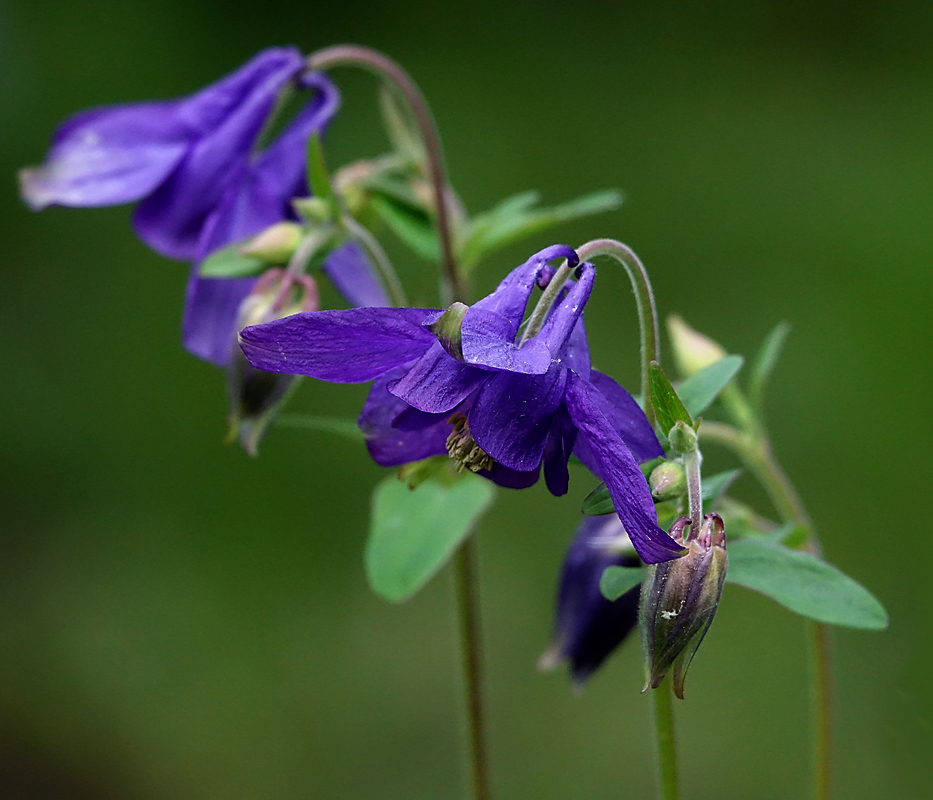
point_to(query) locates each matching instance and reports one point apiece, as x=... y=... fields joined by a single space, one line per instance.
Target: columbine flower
x=201 y=181
x=587 y=626
x=459 y=382
x=192 y=163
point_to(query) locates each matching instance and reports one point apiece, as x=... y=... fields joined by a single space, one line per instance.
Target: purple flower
x=192 y=163
x=587 y=626
x=201 y=182
x=459 y=382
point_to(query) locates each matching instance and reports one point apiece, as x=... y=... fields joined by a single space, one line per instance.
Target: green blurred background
x=180 y=621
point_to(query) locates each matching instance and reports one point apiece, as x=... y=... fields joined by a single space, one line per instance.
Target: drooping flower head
x=192 y=163
x=460 y=381
x=587 y=626
x=201 y=180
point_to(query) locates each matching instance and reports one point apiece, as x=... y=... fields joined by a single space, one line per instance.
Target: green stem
x=666 y=745
x=692 y=461
x=472 y=667
x=453 y=289
x=753 y=448
x=386 y=68
x=644 y=300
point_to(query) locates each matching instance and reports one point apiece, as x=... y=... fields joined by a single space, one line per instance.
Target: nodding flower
x=460 y=381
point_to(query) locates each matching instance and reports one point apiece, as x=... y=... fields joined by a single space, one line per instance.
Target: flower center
x=462 y=447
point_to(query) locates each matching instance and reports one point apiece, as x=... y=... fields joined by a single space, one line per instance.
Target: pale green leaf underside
x=414 y=532
x=804 y=584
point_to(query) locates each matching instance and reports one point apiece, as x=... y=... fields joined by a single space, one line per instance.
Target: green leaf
x=616 y=581
x=667 y=405
x=766 y=359
x=515 y=219
x=228 y=263
x=700 y=390
x=312 y=422
x=414 y=532
x=415 y=228
x=804 y=584
x=318 y=177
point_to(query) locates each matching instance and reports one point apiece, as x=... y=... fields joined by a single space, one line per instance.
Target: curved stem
x=385 y=67
x=644 y=300
x=665 y=741
x=472 y=658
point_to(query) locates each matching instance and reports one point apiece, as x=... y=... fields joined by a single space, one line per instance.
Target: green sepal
x=228 y=262
x=766 y=359
x=700 y=390
x=516 y=218
x=668 y=407
x=804 y=584
x=414 y=532
x=616 y=581
x=413 y=226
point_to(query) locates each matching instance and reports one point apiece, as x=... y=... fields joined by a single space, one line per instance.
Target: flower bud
x=682 y=437
x=667 y=481
x=276 y=244
x=679 y=600
x=692 y=350
x=314 y=209
x=256 y=395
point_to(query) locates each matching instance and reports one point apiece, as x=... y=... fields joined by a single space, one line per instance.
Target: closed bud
x=679 y=600
x=682 y=437
x=276 y=244
x=256 y=395
x=667 y=481
x=692 y=350
x=314 y=209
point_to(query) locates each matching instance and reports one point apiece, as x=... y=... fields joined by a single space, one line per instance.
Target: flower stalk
x=749 y=441
x=644 y=301
x=348 y=54
x=665 y=742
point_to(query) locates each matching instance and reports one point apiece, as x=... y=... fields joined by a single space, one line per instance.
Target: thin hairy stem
x=386 y=68
x=692 y=461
